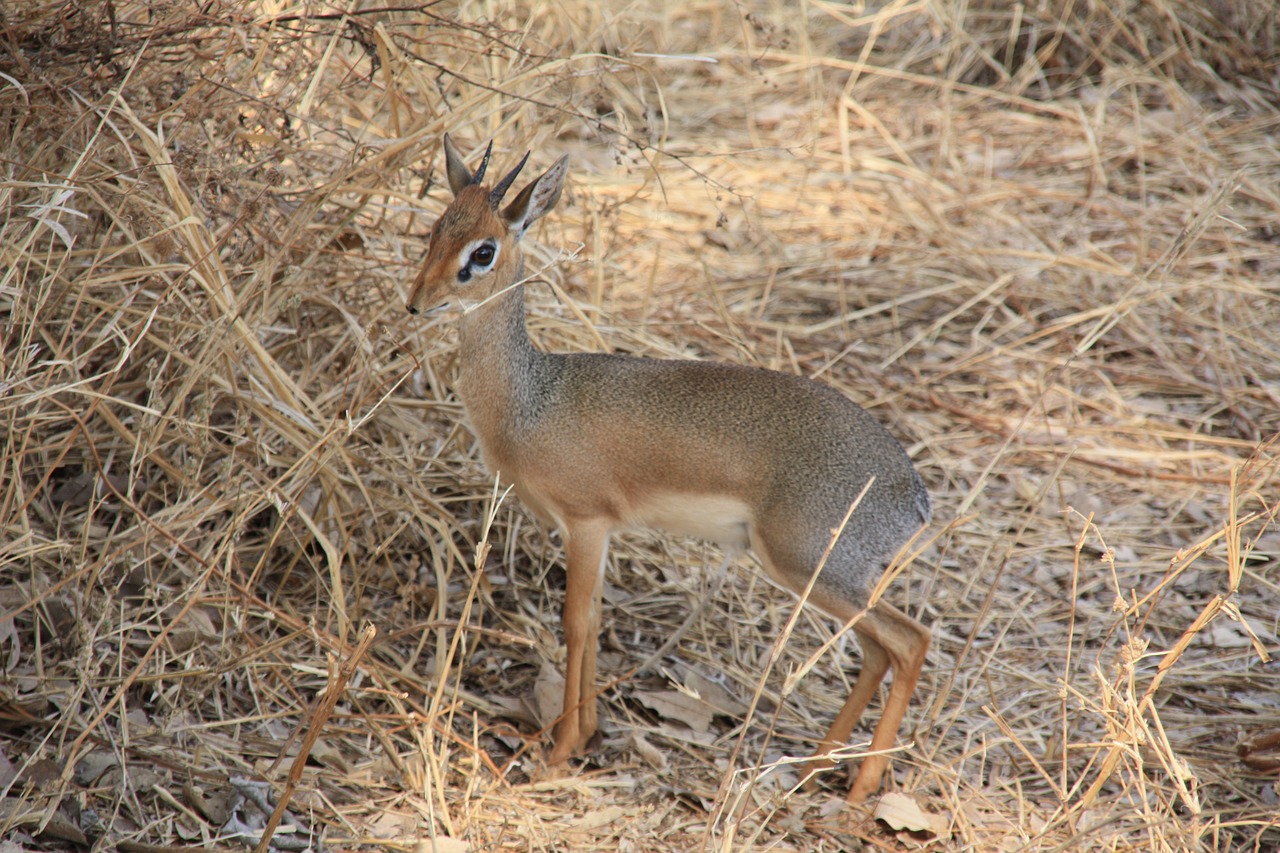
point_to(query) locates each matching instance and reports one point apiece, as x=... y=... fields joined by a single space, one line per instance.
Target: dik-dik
x=742 y=456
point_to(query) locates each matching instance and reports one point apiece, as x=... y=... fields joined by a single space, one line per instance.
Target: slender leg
x=585 y=548
x=587 y=721
x=875 y=663
x=906 y=642
x=890 y=640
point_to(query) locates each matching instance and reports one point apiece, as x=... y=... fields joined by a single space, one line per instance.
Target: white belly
x=717 y=518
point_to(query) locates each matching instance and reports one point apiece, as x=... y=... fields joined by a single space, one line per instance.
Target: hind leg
x=875 y=664
x=890 y=640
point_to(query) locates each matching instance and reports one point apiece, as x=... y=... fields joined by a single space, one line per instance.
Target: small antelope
x=743 y=456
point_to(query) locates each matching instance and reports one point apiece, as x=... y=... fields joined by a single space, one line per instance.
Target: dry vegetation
x=1038 y=239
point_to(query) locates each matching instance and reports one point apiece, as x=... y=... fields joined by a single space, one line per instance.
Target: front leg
x=586 y=546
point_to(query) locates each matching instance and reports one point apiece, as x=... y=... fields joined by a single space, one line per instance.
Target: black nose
x=412 y=310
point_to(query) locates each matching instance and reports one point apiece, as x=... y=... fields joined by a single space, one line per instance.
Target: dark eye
x=482 y=256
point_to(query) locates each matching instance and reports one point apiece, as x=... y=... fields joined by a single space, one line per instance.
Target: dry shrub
x=1037 y=239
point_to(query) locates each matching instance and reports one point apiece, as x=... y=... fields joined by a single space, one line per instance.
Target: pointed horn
x=484 y=164
x=495 y=197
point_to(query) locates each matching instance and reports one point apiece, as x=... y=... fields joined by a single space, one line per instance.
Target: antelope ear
x=456 y=167
x=537 y=199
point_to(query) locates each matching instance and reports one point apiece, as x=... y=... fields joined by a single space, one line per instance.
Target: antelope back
x=474 y=248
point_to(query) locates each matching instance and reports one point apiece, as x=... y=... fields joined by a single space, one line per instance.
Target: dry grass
x=1039 y=240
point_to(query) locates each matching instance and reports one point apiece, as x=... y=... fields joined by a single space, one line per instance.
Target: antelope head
x=475 y=244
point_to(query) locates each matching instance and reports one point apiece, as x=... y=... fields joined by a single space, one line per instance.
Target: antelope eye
x=479 y=261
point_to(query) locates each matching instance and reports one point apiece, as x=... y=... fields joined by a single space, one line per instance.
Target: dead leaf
x=8 y=770
x=517 y=708
x=600 y=818
x=392 y=825
x=212 y=808
x=654 y=757
x=140 y=724
x=714 y=694
x=1261 y=751
x=445 y=845
x=197 y=628
x=82 y=488
x=674 y=705
x=9 y=634
x=330 y=755
x=902 y=812
x=548 y=694
x=189 y=830
x=681 y=733
x=94 y=766
x=1227 y=633
x=771 y=115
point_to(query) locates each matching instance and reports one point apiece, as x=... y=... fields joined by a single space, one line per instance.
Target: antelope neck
x=502 y=375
